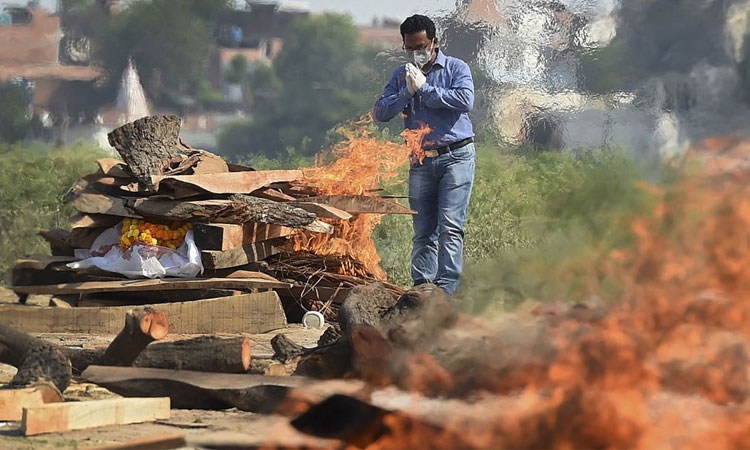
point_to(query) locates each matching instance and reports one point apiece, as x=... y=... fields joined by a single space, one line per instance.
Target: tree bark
x=35 y=359
x=142 y=326
x=205 y=353
x=148 y=146
x=284 y=349
x=237 y=209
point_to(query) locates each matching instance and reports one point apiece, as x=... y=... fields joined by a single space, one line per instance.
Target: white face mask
x=419 y=57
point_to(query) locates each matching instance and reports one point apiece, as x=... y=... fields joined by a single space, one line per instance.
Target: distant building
x=385 y=33
x=30 y=51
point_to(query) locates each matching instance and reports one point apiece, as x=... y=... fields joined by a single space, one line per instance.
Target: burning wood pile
x=305 y=233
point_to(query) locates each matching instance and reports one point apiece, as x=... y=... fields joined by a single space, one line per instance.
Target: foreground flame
x=669 y=367
x=361 y=164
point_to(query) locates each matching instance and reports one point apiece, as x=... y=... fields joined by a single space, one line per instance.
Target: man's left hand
x=415 y=79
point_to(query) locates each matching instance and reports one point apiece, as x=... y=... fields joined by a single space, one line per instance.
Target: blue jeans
x=439 y=190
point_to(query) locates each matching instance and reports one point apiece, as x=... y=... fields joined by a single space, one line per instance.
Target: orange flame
x=669 y=367
x=361 y=164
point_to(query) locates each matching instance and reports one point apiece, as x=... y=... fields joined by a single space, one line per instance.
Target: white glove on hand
x=415 y=79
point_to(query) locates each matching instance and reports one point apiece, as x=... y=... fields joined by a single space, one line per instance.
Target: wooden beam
x=41 y=262
x=13 y=401
x=204 y=390
x=215 y=259
x=361 y=204
x=249 y=313
x=61 y=417
x=225 y=236
x=230 y=182
x=90 y=287
x=273 y=194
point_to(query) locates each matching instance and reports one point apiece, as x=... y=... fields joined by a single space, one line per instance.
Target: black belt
x=454 y=146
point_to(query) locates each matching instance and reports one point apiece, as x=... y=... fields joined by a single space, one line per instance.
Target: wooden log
x=365 y=305
x=284 y=348
x=249 y=313
x=361 y=204
x=267 y=211
x=221 y=355
x=97 y=203
x=148 y=146
x=164 y=441
x=224 y=355
x=59 y=241
x=93 y=221
x=85 y=237
x=91 y=287
x=61 y=417
x=142 y=326
x=224 y=236
x=323 y=211
x=12 y=401
x=202 y=390
x=214 y=259
x=35 y=359
x=237 y=209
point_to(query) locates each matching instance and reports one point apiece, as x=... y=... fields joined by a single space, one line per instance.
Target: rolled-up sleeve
x=458 y=97
x=393 y=100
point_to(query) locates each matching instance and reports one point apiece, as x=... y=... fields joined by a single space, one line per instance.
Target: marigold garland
x=166 y=235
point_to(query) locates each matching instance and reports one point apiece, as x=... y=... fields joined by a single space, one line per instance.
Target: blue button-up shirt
x=443 y=102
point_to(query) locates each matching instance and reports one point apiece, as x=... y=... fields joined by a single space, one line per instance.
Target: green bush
x=539 y=225
x=33 y=180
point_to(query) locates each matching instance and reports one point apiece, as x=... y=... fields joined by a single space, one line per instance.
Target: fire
x=669 y=366
x=360 y=164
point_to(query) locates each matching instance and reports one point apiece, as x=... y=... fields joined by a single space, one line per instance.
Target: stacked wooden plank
x=242 y=219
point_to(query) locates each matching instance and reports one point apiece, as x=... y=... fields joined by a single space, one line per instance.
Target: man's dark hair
x=417 y=23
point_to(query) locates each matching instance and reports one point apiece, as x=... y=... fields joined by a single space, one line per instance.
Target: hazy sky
x=362 y=10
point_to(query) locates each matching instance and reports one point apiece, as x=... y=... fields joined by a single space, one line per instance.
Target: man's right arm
x=394 y=99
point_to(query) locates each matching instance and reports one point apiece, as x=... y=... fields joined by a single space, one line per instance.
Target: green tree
x=14 y=108
x=318 y=78
x=167 y=39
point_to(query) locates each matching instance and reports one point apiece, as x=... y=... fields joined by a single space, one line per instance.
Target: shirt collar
x=440 y=60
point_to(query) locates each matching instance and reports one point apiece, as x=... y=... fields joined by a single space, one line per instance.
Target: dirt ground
x=233 y=428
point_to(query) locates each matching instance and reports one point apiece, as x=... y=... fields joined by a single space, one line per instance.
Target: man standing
x=436 y=90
